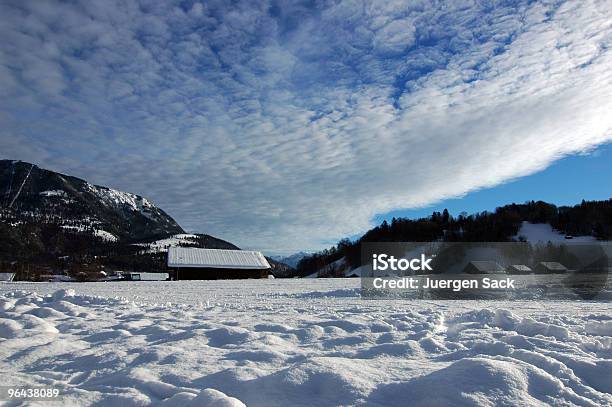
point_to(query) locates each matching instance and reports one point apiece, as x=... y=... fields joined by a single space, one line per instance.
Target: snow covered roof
x=552 y=265
x=7 y=276
x=216 y=258
x=520 y=267
x=484 y=266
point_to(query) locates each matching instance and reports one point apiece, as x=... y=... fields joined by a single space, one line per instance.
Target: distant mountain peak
x=53 y=221
x=291 y=260
x=27 y=190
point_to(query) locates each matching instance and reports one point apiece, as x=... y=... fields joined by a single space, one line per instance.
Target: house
x=519 y=269
x=188 y=263
x=550 y=267
x=483 y=267
x=601 y=262
x=140 y=276
x=7 y=276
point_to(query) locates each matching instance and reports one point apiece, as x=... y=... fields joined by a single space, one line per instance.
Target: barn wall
x=206 y=273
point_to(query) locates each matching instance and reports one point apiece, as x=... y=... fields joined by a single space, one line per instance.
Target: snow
x=121 y=200
x=543 y=233
x=162 y=245
x=149 y=276
x=216 y=258
x=298 y=343
x=57 y=192
x=7 y=276
x=102 y=234
x=603 y=328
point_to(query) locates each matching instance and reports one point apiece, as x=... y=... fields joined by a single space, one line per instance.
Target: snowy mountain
x=185 y=240
x=291 y=260
x=52 y=221
x=544 y=232
x=29 y=193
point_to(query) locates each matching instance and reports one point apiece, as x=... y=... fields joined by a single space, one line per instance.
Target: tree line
x=503 y=224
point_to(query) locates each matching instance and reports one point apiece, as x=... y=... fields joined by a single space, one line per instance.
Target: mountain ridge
x=291 y=260
x=587 y=219
x=57 y=221
x=46 y=194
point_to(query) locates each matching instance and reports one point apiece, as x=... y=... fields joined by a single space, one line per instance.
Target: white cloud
x=281 y=126
x=395 y=37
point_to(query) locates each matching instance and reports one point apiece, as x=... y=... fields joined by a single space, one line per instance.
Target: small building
x=519 y=269
x=50 y=277
x=602 y=265
x=483 y=267
x=550 y=267
x=7 y=276
x=597 y=260
x=188 y=263
x=141 y=276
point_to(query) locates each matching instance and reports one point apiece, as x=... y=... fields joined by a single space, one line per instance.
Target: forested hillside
x=587 y=218
x=56 y=223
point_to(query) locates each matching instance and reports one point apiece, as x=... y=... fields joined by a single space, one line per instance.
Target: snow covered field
x=543 y=233
x=298 y=343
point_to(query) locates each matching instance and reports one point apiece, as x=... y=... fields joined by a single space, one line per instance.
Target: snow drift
x=298 y=343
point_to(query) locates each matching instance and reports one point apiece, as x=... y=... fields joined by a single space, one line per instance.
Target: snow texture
x=123 y=200
x=298 y=343
x=543 y=233
x=162 y=245
x=99 y=233
x=216 y=258
x=55 y=192
x=7 y=276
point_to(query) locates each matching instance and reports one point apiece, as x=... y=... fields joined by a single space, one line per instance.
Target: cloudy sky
x=285 y=125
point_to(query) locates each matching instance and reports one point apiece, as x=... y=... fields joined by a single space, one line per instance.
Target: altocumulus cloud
x=278 y=124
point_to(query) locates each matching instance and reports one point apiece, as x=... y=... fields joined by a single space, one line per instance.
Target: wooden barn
x=519 y=269
x=7 y=276
x=187 y=263
x=483 y=267
x=140 y=276
x=550 y=267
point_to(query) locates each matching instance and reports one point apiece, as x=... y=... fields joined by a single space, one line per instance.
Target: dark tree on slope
x=588 y=218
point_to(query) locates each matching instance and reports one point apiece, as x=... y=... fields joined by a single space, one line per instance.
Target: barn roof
x=552 y=265
x=7 y=276
x=485 y=266
x=520 y=267
x=216 y=258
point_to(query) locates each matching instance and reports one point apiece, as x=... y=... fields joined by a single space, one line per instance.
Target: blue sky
x=566 y=182
x=285 y=125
